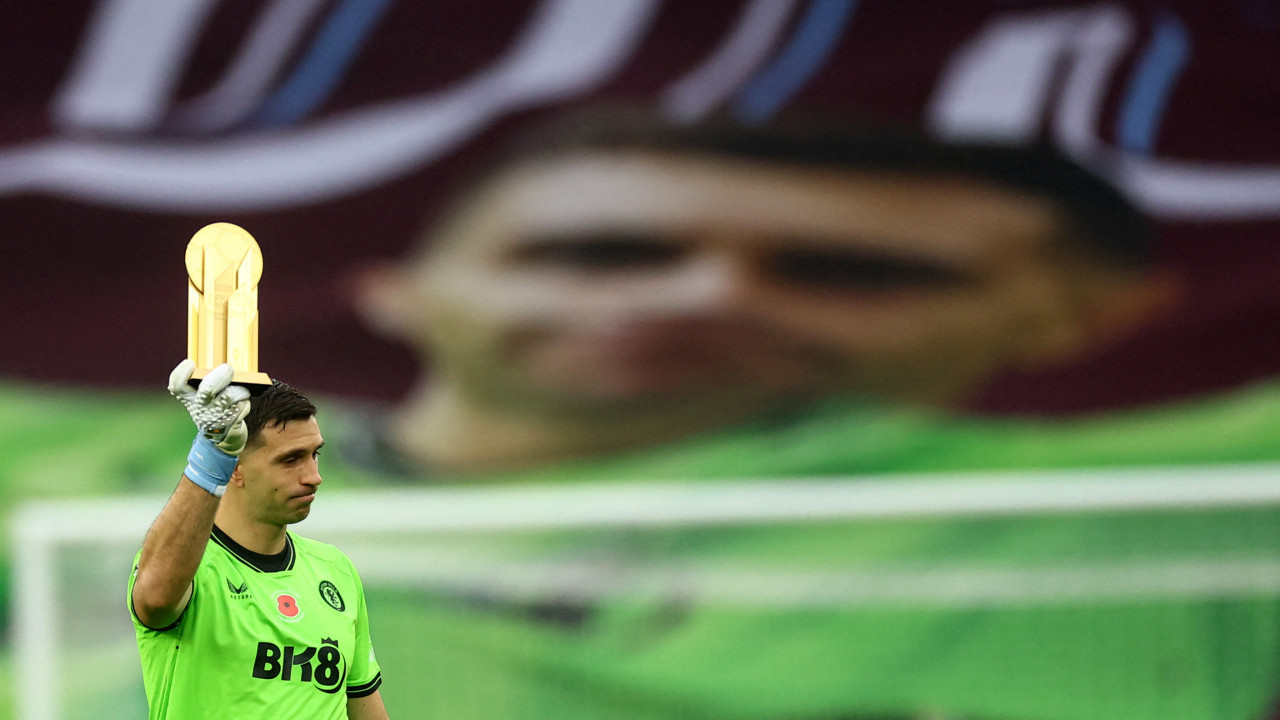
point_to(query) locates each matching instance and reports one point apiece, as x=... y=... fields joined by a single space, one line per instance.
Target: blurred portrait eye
x=604 y=253
x=841 y=270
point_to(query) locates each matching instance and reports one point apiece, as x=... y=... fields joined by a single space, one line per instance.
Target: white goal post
x=41 y=529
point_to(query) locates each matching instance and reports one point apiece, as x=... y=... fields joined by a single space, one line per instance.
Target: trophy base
x=256 y=382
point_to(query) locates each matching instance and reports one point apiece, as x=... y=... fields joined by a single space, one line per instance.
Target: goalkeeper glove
x=218 y=409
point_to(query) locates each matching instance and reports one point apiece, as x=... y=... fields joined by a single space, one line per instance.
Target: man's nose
x=312 y=475
x=705 y=282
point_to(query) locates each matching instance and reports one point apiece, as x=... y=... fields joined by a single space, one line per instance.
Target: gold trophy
x=224 y=265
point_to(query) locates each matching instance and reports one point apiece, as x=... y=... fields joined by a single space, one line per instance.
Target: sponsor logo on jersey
x=287 y=605
x=239 y=592
x=322 y=666
x=330 y=593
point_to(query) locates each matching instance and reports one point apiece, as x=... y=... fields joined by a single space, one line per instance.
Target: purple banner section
x=336 y=131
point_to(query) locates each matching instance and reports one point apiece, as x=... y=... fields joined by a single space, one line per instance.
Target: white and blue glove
x=218 y=409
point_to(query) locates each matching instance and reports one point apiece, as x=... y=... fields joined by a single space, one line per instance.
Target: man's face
x=280 y=471
x=610 y=279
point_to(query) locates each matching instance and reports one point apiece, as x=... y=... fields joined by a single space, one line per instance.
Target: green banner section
x=756 y=599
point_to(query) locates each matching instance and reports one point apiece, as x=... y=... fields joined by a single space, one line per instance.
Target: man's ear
x=379 y=294
x=237 y=478
x=1107 y=317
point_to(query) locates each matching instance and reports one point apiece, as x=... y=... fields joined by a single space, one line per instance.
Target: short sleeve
x=365 y=676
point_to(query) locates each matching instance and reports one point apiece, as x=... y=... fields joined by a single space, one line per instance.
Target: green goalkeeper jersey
x=257 y=642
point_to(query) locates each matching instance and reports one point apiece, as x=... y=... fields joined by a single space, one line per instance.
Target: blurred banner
x=331 y=130
x=575 y=242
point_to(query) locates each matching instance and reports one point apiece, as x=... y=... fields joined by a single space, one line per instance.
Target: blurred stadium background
x=1130 y=573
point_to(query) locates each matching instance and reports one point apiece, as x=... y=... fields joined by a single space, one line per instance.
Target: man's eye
x=604 y=253
x=859 y=272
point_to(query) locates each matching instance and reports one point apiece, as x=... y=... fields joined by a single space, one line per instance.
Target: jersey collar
x=279 y=562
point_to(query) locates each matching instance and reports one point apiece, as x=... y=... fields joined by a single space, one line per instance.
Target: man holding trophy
x=235 y=616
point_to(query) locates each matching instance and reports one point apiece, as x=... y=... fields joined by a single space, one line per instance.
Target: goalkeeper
x=235 y=616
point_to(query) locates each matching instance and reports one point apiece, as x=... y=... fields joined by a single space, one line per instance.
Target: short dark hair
x=1097 y=216
x=276 y=406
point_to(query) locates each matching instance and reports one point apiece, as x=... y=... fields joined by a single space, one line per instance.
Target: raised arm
x=175 y=543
